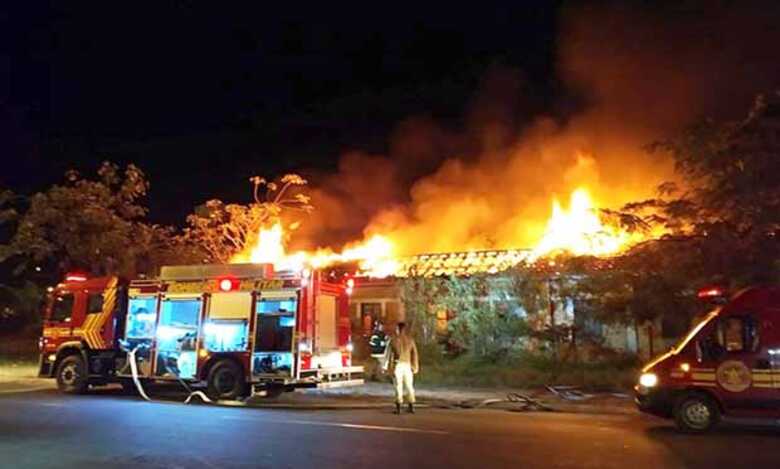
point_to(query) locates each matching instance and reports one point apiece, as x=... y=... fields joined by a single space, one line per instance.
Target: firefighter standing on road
x=404 y=363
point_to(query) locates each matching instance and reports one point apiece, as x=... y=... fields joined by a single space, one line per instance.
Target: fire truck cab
x=728 y=365
x=233 y=329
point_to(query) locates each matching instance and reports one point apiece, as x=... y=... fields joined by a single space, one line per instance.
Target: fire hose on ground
x=137 y=380
x=519 y=403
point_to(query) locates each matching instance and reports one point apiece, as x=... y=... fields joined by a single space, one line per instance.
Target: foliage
x=421 y=299
x=7 y=210
x=223 y=230
x=488 y=321
x=17 y=302
x=724 y=218
x=83 y=223
x=721 y=216
x=95 y=225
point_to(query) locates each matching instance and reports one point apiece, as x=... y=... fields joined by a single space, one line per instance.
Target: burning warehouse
x=377 y=274
x=385 y=300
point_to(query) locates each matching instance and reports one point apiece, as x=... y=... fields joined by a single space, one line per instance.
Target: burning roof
x=462 y=263
x=577 y=229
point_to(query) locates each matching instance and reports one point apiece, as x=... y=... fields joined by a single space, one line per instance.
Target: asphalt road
x=106 y=429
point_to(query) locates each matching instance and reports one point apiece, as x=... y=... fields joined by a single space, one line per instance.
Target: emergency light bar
x=710 y=292
x=713 y=295
x=75 y=277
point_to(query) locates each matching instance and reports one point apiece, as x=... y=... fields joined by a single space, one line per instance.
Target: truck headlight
x=648 y=380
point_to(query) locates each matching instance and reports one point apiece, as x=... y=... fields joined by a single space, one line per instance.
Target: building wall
x=381 y=300
x=378 y=301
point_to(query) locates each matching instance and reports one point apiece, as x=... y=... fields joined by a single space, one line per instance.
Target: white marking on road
x=15 y=391
x=353 y=426
x=381 y=428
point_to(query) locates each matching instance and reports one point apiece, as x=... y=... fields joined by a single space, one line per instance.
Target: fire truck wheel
x=72 y=375
x=226 y=381
x=696 y=413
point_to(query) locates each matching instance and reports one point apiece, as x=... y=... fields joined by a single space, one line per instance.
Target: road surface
x=105 y=429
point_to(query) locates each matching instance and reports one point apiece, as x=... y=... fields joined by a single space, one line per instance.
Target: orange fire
x=580 y=231
x=577 y=230
x=375 y=256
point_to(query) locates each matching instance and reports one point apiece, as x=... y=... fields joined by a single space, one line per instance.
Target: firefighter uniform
x=404 y=363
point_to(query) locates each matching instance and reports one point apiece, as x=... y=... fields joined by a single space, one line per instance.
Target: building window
x=370 y=314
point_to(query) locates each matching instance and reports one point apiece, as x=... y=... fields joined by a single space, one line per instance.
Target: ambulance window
x=94 y=303
x=738 y=334
x=62 y=307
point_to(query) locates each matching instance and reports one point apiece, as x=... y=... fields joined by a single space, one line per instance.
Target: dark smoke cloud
x=643 y=72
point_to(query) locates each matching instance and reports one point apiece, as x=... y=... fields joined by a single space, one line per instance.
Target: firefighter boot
x=397 y=408
x=411 y=408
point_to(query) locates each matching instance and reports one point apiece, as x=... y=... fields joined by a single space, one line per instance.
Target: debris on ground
x=517 y=403
x=569 y=393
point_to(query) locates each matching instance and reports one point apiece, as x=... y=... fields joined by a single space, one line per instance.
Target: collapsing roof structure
x=462 y=263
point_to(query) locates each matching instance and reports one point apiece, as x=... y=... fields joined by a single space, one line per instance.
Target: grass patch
x=13 y=368
x=518 y=370
x=528 y=371
x=18 y=356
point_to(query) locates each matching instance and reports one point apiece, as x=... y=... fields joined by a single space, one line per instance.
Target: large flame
x=376 y=256
x=580 y=231
x=577 y=229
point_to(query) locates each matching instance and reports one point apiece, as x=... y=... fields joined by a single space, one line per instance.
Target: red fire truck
x=233 y=329
x=728 y=365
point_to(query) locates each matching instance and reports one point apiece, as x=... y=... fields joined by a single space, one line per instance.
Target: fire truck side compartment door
x=139 y=331
x=275 y=333
x=236 y=305
x=227 y=324
x=326 y=323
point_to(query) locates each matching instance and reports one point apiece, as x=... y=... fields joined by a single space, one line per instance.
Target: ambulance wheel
x=72 y=375
x=226 y=381
x=696 y=413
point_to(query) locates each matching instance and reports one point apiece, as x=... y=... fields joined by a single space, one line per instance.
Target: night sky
x=203 y=97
